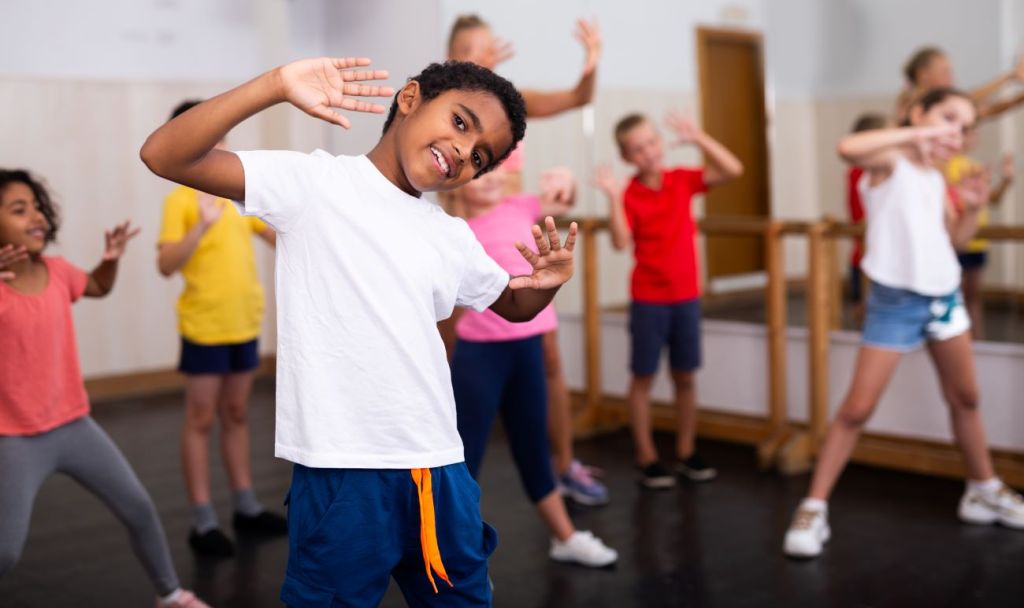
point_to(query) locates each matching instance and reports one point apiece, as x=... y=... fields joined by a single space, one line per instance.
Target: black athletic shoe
x=264 y=523
x=656 y=477
x=213 y=543
x=695 y=469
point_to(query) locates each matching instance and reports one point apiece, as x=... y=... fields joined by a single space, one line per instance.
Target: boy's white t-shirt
x=364 y=273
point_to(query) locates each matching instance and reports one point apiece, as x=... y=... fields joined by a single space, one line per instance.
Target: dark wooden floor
x=897 y=541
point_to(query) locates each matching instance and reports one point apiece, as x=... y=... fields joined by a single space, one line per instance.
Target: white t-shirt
x=906 y=241
x=364 y=272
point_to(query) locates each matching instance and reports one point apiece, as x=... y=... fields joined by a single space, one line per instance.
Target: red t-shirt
x=664 y=237
x=40 y=381
x=856 y=208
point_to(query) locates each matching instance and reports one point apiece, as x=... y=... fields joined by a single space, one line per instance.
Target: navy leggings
x=489 y=377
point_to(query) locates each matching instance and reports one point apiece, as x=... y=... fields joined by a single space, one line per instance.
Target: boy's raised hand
x=117 y=239
x=604 y=178
x=210 y=209
x=317 y=85
x=9 y=254
x=684 y=128
x=974 y=188
x=553 y=265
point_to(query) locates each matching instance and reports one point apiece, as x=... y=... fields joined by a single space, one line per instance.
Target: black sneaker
x=655 y=476
x=695 y=469
x=264 y=523
x=213 y=543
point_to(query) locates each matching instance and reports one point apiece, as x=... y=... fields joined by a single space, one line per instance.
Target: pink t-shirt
x=498 y=230
x=40 y=381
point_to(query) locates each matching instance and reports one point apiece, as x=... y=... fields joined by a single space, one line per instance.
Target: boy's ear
x=409 y=98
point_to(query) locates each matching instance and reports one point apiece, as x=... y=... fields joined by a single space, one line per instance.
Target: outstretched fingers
x=553 y=238
x=543 y=246
x=528 y=253
x=570 y=241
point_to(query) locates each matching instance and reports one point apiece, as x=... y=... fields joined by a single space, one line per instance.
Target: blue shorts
x=351 y=530
x=654 y=326
x=900 y=320
x=218 y=358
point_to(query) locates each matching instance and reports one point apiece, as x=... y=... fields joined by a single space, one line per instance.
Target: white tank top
x=908 y=246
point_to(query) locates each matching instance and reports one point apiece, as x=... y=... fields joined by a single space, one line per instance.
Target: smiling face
x=21 y=221
x=641 y=147
x=445 y=142
x=953 y=110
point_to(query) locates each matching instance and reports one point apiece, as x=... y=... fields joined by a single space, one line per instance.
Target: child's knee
x=199 y=416
x=962 y=398
x=234 y=413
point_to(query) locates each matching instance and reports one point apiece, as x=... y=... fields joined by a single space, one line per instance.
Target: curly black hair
x=464 y=76
x=44 y=203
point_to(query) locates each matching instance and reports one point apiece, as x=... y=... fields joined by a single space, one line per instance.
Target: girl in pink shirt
x=498 y=366
x=45 y=427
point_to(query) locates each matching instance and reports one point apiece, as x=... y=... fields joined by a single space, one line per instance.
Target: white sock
x=815 y=504
x=988 y=486
x=171 y=597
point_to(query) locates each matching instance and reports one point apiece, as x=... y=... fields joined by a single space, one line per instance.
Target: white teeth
x=440 y=160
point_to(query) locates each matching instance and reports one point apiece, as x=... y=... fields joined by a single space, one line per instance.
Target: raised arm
x=721 y=165
x=604 y=179
x=184 y=149
x=172 y=255
x=540 y=104
x=973 y=191
x=557 y=191
x=101 y=279
x=877 y=150
x=526 y=296
x=1006 y=179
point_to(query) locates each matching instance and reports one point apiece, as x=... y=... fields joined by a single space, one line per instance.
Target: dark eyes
x=477 y=160
x=460 y=124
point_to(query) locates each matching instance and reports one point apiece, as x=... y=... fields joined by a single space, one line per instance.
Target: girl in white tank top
x=912 y=229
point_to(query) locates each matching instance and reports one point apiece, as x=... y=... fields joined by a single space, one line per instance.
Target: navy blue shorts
x=351 y=530
x=652 y=327
x=972 y=259
x=218 y=358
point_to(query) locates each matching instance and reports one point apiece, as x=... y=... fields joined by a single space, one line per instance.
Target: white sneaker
x=1003 y=506
x=583 y=548
x=807 y=533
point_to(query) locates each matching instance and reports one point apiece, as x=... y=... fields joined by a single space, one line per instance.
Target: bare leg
x=875 y=367
x=686 y=412
x=640 y=419
x=954 y=362
x=970 y=283
x=201 y=394
x=553 y=512
x=559 y=405
x=234 y=428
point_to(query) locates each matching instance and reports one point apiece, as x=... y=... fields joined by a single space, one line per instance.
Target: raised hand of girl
x=317 y=85
x=10 y=255
x=589 y=35
x=553 y=263
x=973 y=189
x=117 y=239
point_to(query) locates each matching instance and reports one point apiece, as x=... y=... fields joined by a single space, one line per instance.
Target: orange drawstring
x=428 y=529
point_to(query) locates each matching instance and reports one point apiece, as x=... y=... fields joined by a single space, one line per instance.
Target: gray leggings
x=83 y=451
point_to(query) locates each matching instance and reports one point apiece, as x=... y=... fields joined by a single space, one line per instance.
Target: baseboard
x=888 y=451
x=146 y=384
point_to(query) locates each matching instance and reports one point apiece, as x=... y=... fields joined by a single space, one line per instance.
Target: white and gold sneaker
x=1003 y=506
x=808 y=532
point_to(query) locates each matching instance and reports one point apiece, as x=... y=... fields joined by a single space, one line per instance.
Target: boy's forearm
x=719 y=157
x=178 y=149
x=521 y=305
x=540 y=104
x=174 y=255
x=997 y=194
x=619 y=228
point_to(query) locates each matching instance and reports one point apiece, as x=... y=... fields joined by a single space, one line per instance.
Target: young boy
x=653 y=212
x=365 y=269
x=220 y=313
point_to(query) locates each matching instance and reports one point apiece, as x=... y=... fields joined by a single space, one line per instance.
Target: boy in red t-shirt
x=653 y=212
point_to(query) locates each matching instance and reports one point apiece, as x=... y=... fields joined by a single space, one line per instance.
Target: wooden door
x=733 y=112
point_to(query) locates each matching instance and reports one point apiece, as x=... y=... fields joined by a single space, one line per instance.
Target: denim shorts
x=901 y=320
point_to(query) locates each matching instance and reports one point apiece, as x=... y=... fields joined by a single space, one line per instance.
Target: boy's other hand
x=117 y=239
x=589 y=35
x=604 y=178
x=1006 y=167
x=210 y=209
x=9 y=255
x=974 y=189
x=685 y=129
x=317 y=85
x=553 y=264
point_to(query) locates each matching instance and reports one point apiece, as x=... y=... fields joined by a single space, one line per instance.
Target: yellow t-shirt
x=223 y=299
x=955 y=169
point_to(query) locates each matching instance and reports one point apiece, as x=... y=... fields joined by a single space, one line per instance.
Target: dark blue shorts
x=652 y=327
x=218 y=358
x=351 y=530
x=972 y=259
